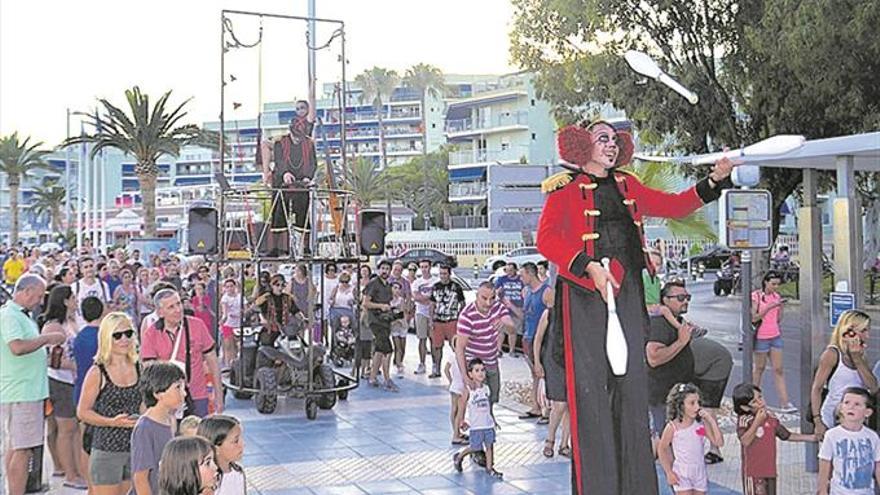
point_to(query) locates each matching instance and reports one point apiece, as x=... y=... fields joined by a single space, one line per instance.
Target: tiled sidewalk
x=379 y=442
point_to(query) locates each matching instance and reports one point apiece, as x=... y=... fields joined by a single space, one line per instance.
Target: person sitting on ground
x=163 y=391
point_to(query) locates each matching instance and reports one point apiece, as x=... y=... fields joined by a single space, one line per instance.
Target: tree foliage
x=19 y=159
x=48 y=200
x=145 y=132
x=422 y=184
x=760 y=68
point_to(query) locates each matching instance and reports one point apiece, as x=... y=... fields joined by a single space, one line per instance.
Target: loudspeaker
x=202 y=231
x=372 y=238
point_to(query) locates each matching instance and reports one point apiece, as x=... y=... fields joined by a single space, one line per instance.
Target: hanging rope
x=333 y=36
x=236 y=43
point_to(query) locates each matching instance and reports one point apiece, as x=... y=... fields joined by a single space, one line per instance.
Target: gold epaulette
x=556 y=181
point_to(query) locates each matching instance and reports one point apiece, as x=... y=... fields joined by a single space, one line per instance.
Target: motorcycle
x=727 y=281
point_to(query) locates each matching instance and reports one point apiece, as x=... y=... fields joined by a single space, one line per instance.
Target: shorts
x=423 y=326
x=109 y=468
x=382 y=339
x=364 y=350
x=399 y=329
x=61 y=395
x=759 y=486
x=711 y=392
x=690 y=477
x=226 y=331
x=479 y=439
x=764 y=345
x=21 y=425
x=493 y=380
x=442 y=330
x=517 y=328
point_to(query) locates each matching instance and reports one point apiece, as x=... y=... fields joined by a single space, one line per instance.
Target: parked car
x=711 y=258
x=435 y=256
x=518 y=256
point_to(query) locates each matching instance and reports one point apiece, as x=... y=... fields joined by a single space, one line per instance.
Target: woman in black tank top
x=110 y=404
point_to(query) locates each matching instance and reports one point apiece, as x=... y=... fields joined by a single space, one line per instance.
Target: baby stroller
x=344 y=342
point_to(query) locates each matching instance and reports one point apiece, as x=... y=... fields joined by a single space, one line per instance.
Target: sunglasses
x=681 y=297
x=128 y=334
x=277 y=284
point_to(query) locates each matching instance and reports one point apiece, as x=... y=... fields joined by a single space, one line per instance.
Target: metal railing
x=463 y=157
x=467 y=189
x=504 y=120
x=468 y=222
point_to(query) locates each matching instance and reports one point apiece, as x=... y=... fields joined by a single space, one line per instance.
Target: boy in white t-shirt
x=480 y=420
x=89 y=286
x=849 y=459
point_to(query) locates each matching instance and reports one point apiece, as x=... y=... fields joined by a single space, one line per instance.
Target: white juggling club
x=615 y=340
x=645 y=65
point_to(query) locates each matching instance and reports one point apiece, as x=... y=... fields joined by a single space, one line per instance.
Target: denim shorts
x=479 y=439
x=764 y=345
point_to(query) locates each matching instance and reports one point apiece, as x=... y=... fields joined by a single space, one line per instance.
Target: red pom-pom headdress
x=576 y=143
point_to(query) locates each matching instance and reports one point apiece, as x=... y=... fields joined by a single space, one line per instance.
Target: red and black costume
x=293 y=153
x=587 y=218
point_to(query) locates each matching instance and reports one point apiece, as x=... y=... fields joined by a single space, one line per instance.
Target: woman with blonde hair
x=110 y=404
x=841 y=365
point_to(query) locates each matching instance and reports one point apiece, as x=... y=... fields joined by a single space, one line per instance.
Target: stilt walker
x=595 y=211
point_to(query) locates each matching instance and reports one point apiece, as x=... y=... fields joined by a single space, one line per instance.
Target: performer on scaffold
x=295 y=161
x=594 y=211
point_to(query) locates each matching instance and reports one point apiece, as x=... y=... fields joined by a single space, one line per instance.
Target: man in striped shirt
x=479 y=325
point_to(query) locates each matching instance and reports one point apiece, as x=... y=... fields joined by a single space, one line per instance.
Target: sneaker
x=788 y=408
x=434 y=374
x=495 y=473
x=420 y=370
x=456 y=461
x=400 y=371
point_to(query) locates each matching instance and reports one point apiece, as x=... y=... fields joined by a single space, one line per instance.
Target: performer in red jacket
x=594 y=211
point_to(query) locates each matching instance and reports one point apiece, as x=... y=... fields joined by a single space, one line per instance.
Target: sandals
x=712 y=458
x=459 y=441
x=495 y=474
x=548 y=448
x=529 y=415
x=456 y=461
x=565 y=451
x=544 y=420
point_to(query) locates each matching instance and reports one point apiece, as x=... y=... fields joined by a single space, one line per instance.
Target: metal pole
x=80 y=188
x=103 y=199
x=312 y=45
x=67 y=177
x=223 y=100
x=812 y=307
x=746 y=316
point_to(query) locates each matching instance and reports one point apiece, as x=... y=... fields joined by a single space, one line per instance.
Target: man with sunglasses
x=670 y=359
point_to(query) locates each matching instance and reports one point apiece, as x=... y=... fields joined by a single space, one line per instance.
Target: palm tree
x=426 y=79
x=423 y=185
x=662 y=177
x=146 y=134
x=47 y=201
x=377 y=85
x=366 y=183
x=18 y=160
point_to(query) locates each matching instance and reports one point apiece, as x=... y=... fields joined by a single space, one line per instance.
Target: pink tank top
x=769 y=328
x=687 y=444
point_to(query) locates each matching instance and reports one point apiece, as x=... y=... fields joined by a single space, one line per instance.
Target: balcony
x=468 y=222
x=472 y=157
x=467 y=190
x=495 y=123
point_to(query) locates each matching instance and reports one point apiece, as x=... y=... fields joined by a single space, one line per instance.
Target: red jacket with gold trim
x=566 y=233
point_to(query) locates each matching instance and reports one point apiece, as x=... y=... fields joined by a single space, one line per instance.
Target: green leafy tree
x=760 y=68
x=146 y=133
x=365 y=181
x=47 y=201
x=662 y=177
x=422 y=184
x=18 y=160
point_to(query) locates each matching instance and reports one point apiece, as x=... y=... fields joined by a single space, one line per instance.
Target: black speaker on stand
x=202 y=230
x=372 y=238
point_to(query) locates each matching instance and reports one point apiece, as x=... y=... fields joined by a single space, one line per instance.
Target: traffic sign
x=840 y=302
x=746 y=219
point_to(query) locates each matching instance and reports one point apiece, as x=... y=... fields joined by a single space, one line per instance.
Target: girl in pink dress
x=682 y=444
